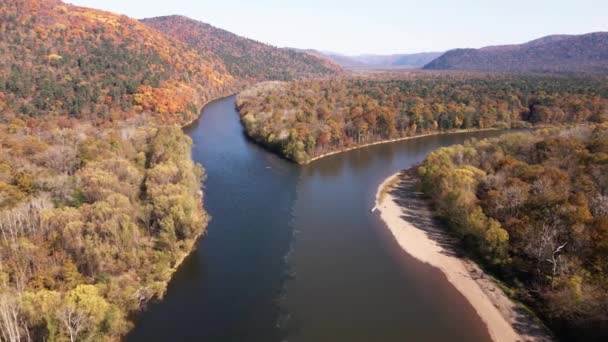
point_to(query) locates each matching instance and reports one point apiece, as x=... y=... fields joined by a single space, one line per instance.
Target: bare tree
x=554 y=258
x=74 y=321
x=24 y=219
x=599 y=206
x=551 y=247
x=547 y=245
x=12 y=324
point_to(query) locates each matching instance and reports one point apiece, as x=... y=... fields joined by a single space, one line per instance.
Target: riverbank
x=409 y=218
x=398 y=139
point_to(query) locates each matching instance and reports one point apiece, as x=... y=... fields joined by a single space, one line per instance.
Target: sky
x=379 y=26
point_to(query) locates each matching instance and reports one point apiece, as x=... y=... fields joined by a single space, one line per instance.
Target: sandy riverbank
x=408 y=216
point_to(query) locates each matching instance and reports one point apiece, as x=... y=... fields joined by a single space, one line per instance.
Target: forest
x=57 y=59
x=533 y=208
x=99 y=198
x=92 y=225
x=308 y=118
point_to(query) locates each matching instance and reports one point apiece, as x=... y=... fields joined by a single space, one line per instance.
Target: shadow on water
x=293 y=253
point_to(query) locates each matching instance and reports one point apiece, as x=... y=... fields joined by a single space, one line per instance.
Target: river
x=293 y=253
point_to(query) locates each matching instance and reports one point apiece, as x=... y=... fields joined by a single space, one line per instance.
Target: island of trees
x=305 y=119
x=534 y=209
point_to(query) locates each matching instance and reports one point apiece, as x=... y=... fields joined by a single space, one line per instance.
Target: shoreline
x=504 y=319
x=190 y=123
x=181 y=258
x=400 y=139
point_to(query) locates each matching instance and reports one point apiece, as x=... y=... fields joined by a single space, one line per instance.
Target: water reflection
x=352 y=281
x=297 y=248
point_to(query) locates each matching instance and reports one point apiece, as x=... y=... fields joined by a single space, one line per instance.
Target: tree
x=82 y=312
x=12 y=323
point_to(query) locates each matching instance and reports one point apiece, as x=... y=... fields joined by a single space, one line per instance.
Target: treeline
x=534 y=208
x=305 y=119
x=92 y=225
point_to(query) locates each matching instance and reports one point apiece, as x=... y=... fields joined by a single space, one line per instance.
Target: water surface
x=294 y=253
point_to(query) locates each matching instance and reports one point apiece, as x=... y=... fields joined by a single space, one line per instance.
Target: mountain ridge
x=243 y=57
x=586 y=53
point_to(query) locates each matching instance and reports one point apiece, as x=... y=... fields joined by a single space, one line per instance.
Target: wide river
x=293 y=253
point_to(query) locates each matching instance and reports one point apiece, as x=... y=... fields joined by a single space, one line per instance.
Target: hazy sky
x=380 y=26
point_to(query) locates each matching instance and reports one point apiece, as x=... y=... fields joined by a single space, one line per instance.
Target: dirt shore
x=409 y=217
x=456 y=131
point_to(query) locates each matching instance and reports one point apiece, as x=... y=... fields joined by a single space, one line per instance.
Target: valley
x=165 y=179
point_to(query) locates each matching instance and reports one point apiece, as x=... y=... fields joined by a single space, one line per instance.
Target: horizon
x=370 y=29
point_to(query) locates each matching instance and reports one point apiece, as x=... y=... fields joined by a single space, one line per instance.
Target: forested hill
x=244 y=58
x=559 y=53
x=88 y=64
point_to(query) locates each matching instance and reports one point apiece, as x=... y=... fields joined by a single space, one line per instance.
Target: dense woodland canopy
x=95 y=212
x=305 y=119
x=91 y=226
x=62 y=60
x=244 y=58
x=65 y=60
x=534 y=207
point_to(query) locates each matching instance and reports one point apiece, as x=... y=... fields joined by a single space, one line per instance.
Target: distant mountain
x=243 y=57
x=415 y=60
x=557 y=53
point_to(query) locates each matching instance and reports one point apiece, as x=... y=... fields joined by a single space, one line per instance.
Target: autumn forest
x=99 y=197
x=305 y=119
x=101 y=200
x=533 y=207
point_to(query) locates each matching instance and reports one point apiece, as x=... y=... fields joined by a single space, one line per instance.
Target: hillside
x=414 y=60
x=88 y=64
x=99 y=197
x=244 y=58
x=558 y=53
